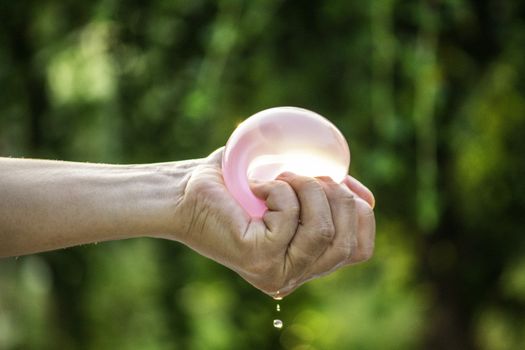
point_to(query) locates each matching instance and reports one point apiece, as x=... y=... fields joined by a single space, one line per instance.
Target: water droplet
x=278 y=308
x=277 y=296
x=278 y=324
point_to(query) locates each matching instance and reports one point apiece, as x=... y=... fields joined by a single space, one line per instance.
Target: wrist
x=163 y=191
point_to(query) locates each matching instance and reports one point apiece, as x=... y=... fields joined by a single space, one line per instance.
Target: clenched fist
x=313 y=226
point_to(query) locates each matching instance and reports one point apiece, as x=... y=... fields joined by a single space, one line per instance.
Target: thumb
x=282 y=216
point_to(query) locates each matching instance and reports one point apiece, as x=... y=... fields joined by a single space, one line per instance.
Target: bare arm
x=313 y=226
x=47 y=205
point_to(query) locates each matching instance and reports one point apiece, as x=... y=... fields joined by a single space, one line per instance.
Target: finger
x=344 y=215
x=361 y=190
x=366 y=232
x=282 y=217
x=315 y=230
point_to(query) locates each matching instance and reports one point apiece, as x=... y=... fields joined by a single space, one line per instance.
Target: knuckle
x=284 y=191
x=347 y=200
x=279 y=189
x=312 y=183
x=281 y=186
x=306 y=184
x=326 y=231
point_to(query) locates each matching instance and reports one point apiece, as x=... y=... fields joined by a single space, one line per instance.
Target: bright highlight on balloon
x=268 y=167
x=277 y=140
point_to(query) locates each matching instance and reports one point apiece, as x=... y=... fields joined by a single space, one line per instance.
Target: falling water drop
x=278 y=324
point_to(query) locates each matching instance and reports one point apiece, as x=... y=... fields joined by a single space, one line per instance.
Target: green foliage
x=430 y=95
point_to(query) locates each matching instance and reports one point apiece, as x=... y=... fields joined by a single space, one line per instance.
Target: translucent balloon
x=277 y=140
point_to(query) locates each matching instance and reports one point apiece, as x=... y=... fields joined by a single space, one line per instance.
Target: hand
x=313 y=226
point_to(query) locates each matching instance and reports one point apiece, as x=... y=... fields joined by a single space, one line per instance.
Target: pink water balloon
x=277 y=140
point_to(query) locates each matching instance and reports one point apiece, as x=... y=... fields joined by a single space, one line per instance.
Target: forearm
x=47 y=205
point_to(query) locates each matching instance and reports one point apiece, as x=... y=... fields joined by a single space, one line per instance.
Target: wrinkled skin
x=313 y=226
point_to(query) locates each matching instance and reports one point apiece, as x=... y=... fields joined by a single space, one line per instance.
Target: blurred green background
x=430 y=95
